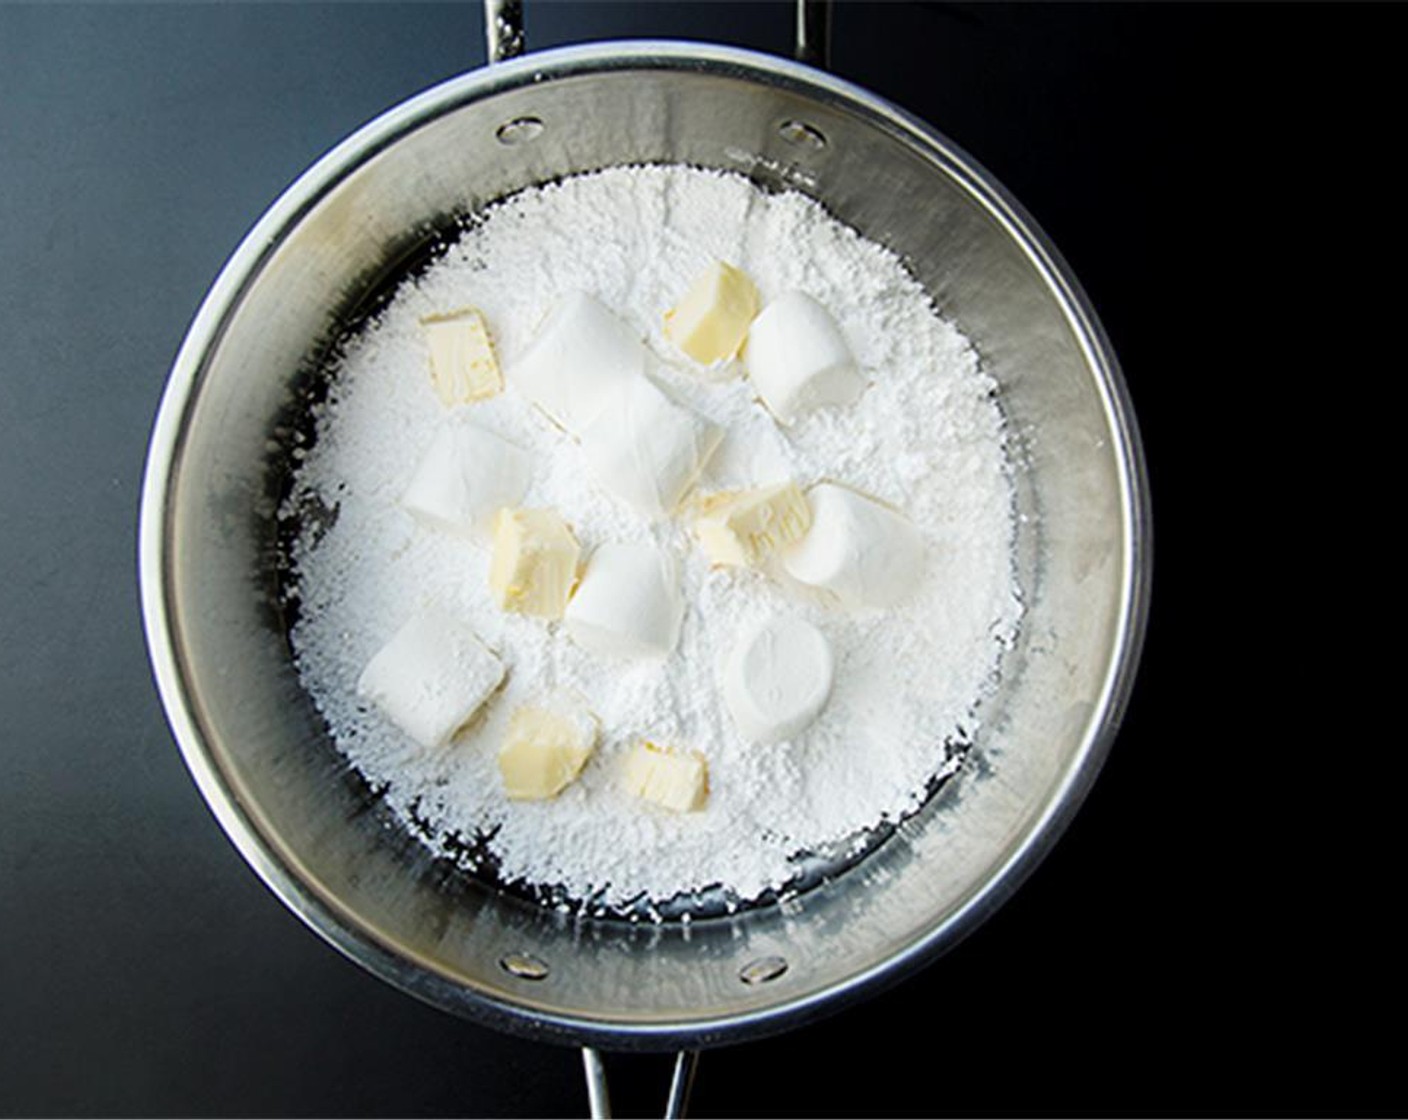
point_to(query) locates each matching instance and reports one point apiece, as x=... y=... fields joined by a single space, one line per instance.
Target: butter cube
x=743 y=527
x=546 y=747
x=463 y=367
x=711 y=322
x=431 y=677
x=676 y=780
x=534 y=562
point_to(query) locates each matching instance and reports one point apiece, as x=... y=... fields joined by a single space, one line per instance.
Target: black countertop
x=143 y=967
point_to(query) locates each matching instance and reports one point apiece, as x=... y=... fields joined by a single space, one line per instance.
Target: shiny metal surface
x=219 y=452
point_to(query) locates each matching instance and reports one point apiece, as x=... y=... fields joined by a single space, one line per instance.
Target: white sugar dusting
x=926 y=436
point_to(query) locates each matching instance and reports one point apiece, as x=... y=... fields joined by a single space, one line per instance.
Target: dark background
x=1177 y=953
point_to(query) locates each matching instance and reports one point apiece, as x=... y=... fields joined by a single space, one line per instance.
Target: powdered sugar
x=926 y=436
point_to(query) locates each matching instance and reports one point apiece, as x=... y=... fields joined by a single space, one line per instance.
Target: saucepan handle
x=686 y=1061
x=503 y=29
x=503 y=33
x=813 y=45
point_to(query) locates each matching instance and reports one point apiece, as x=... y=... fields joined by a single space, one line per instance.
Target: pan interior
x=380 y=206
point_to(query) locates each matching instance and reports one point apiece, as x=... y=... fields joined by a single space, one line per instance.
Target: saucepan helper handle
x=503 y=29
x=598 y=1099
x=681 y=1082
x=813 y=44
x=686 y=1061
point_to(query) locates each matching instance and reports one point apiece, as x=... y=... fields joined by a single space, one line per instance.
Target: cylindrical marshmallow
x=581 y=354
x=859 y=549
x=431 y=677
x=466 y=476
x=647 y=448
x=628 y=603
x=798 y=359
x=777 y=679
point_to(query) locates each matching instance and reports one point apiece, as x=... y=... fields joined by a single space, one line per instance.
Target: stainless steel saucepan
x=220 y=455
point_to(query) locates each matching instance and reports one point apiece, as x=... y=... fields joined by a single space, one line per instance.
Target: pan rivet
x=524 y=965
x=802 y=134
x=762 y=970
x=520 y=130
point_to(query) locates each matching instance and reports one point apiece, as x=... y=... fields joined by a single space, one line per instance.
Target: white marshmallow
x=777 y=679
x=431 y=677
x=467 y=475
x=798 y=359
x=860 y=550
x=581 y=354
x=647 y=448
x=628 y=603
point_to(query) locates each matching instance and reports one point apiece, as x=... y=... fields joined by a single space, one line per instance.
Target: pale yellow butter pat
x=742 y=527
x=677 y=780
x=534 y=563
x=463 y=367
x=712 y=320
x=546 y=748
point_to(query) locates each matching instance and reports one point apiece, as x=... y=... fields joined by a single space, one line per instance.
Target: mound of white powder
x=927 y=436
